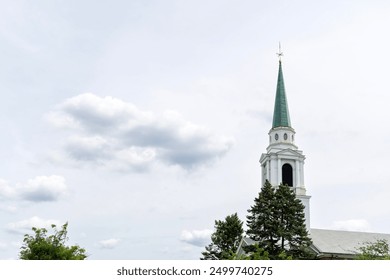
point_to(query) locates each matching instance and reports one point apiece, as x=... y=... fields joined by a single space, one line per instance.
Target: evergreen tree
x=277 y=223
x=225 y=239
x=261 y=223
x=293 y=234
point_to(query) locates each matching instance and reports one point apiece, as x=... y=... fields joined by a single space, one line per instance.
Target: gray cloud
x=39 y=189
x=87 y=148
x=106 y=129
x=44 y=188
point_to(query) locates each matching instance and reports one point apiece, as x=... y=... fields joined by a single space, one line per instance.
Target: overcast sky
x=142 y=122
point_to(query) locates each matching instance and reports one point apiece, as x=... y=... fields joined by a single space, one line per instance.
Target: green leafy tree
x=258 y=253
x=40 y=246
x=378 y=250
x=276 y=222
x=225 y=239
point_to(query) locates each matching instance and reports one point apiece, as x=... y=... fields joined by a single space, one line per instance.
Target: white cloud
x=198 y=238
x=58 y=119
x=134 y=157
x=40 y=188
x=90 y=112
x=110 y=131
x=109 y=243
x=26 y=225
x=44 y=188
x=352 y=225
x=5 y=190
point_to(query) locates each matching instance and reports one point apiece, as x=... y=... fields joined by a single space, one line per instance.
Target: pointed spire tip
x=280 y=53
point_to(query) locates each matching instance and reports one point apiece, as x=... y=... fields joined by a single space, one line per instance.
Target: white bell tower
x=283 y=162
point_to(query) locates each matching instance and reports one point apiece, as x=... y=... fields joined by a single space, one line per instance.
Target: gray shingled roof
x=342 y=242
x=333 y=243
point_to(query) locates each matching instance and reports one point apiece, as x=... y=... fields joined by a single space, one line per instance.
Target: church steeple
x=283 y=163
x=281 y=115
x=281 y=133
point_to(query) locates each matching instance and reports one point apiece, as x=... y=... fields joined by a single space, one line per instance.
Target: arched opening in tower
x=287 y=174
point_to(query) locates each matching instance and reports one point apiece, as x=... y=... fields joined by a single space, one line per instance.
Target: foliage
x=258 y=253
x=276 y=222
x=261 y=225
x=225 y=239
x=378 y=250
x=42 y=247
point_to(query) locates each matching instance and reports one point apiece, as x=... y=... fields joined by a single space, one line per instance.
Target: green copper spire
x=281 y=115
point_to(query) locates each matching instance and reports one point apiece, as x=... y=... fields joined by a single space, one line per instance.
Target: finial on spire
x=281 y=114
x=280 y=54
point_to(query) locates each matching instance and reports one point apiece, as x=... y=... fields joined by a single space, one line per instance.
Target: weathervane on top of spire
x=280 y=54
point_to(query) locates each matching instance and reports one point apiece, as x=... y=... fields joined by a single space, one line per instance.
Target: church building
x=284 y=163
